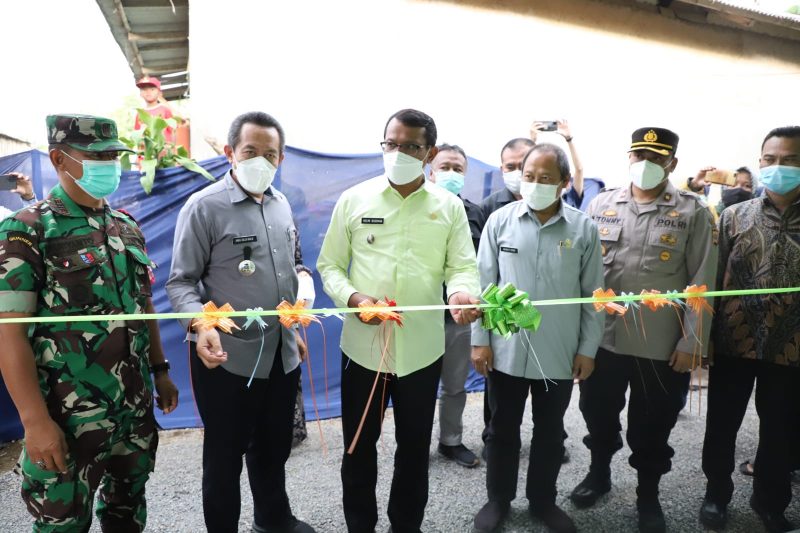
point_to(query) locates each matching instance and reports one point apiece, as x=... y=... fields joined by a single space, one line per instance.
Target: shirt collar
x=667 y=197
x=384 y=185
x=236 y=193
x=524 y=209
x=61 y=203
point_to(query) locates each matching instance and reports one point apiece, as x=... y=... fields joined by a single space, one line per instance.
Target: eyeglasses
x=408 y=148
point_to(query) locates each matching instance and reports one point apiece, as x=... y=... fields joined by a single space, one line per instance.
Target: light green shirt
x=383 y=245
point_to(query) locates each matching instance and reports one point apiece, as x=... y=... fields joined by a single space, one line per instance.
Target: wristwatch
x=160 y=367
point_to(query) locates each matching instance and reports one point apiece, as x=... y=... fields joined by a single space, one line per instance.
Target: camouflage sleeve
x=21 y=267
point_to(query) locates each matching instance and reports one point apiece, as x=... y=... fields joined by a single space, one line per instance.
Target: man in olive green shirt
x=396 y=236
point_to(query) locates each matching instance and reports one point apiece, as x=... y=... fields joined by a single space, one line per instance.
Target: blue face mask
x=780 y=179
x=450 y=180
x=100 y=178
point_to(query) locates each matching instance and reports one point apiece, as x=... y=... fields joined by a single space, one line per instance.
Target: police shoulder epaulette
x=699 y=198
x=609 y=189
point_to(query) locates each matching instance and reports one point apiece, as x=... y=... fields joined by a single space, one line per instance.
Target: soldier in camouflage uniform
x=90 y=421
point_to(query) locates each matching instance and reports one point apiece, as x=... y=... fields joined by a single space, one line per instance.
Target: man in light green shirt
x=395 y=236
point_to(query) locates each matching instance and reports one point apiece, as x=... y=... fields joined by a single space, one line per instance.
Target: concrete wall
x=332 y=73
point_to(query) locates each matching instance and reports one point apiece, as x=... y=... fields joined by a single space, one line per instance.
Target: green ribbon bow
x=511 y=310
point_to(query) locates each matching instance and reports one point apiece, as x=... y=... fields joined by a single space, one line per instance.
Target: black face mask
x=735 y=196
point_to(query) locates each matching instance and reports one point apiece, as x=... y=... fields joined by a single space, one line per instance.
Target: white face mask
x=538 y=196
x=255 y=175
x=400 y=168
x=646 y=175
x=512 y=179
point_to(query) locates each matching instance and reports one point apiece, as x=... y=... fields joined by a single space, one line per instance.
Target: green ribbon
x=509 y=310
x=525 y=315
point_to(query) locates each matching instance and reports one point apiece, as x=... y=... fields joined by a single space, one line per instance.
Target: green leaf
x=145 y=118
x=189 y=164
x=125 y=161
x=171 y=122
x=148 y=167
x=127 y=142
x=182 y=151
x=136 y=137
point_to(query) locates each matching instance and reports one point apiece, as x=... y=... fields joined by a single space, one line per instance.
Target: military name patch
x=508 y=249
x=372 y=220
x=20 y=237
x=670 y=223
x=245 y=240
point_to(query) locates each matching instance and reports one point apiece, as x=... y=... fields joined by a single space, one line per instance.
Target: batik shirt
x=759 y=248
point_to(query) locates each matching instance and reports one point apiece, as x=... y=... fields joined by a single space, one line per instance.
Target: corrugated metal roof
x=753 y=8
x=154 y=36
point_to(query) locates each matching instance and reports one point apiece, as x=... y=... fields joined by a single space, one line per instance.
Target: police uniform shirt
x=664 y=245
x=217 y=229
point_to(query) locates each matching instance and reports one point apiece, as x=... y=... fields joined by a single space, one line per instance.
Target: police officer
x=653 y=237
x=235 y=242
x=83 y=389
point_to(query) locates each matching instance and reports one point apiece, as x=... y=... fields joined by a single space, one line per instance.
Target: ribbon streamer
x=256 y=319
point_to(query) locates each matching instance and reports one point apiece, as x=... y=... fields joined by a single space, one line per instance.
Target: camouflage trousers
x=115 y=456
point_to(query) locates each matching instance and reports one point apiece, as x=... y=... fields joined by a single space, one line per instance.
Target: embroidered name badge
x=245 y=240
x=371 y=220
x=509 y=250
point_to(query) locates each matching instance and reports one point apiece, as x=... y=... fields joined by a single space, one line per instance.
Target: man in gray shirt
x=550 y=250
x=235 y=243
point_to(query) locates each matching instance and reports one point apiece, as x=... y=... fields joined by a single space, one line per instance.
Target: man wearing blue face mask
x=653 y=237
x=235 y=243
x=83 y=390
x=448 y=169
x=756 y=339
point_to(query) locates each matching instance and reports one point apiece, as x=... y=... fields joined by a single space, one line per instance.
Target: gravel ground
x=456 y=493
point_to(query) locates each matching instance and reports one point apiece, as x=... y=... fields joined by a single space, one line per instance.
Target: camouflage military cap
x=84 y=132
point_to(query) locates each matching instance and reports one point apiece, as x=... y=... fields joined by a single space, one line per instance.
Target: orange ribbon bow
x=654 y=301
x=698 y=304
x=381 y=315
x=212 y=319
x=609 y=307
x=295 y=314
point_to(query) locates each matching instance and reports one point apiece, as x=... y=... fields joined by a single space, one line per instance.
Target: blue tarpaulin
x=311 y=181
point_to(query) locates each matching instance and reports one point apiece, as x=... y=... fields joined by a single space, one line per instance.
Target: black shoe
x=712 y=514
x=292 y=525
x=651 y=517
x=460 y=454
x=588 y=491
x=491 y=516
x=565 y=457
x=773 y=521
x=554 y=518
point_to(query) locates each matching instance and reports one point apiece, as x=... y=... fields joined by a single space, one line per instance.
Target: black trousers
x=255 y=422
x=549 y=402
x=656 y=399
x=414 y=400
x=731 y=381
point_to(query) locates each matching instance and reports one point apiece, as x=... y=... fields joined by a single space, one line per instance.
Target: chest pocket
x=665 y=251
x=74 y=276
x=609 y=242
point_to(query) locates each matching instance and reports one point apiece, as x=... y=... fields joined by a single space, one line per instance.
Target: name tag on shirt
x=245 y=240
x=371 y=220
x=509 y=250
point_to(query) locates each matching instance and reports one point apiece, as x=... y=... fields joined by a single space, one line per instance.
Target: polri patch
x=508 y=249
x=245 y=240
x=371 y=220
